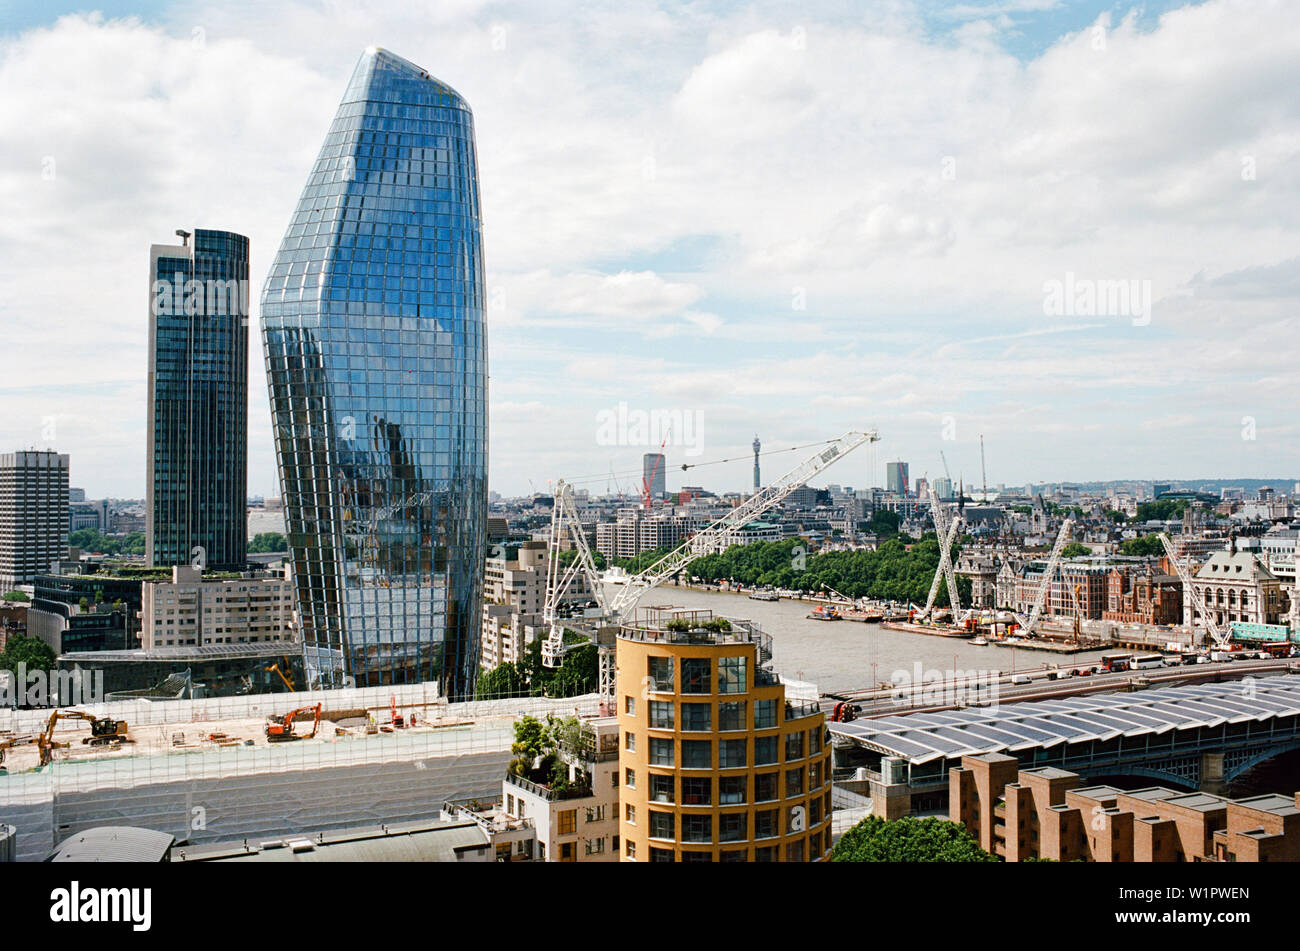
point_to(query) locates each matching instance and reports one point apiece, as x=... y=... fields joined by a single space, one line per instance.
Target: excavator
x=280 y=729
x=103 y=730
x=288 y=681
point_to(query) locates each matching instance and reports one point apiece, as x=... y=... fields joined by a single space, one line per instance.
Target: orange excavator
x=280 y=729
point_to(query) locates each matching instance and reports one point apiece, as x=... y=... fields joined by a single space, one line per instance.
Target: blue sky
x=789 y=223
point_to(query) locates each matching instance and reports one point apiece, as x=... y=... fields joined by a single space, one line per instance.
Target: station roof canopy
x=1030 y=724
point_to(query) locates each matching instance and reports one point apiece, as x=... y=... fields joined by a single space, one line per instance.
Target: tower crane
x=1027 y=626
x=706 y=541
x=1211 y=624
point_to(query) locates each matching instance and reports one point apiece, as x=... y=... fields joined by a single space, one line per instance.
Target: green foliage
x=566 y=558
x=530 y=743
x=88 y=539
x=1116 y=516
x=1161 y=510
x=884 y=523
x=894 y=571
x=22 y=649
x=908 y=840
x=579 y=673
x=537 y=749
x=265 y=543
x=1075 y=550
x=504 y=680
x=1145 y=545
x=18 y=596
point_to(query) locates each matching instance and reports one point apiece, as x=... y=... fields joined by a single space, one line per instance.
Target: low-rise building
x=1050 y=813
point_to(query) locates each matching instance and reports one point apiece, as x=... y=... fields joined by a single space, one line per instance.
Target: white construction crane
x=1027 y=625
x=1211 y=624
x=946 y=532
x=564 y=517
x=706 y=541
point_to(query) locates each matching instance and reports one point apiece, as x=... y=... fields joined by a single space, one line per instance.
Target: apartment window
x=732 y=675
x=814 y=812
x=661 y=788
x=697 y=828
x=814 y=774
x=661 y=752
x=731 y=753
x=733 y=827
x=596 y=846
x=629 y=777
x=697 y=717
x=631 y=849
x=661 y=674
x=731 y=789
x=629 y=705
x=764 y=714
x=629 y=742
x=661 y=855
x=595 y=813
x=661 y=825
x=765 y=787
x=793 y=746
x=697 y=857
x=629 y=815
x=732 y=855
x=661 y=714
x=568 y=822
x=764 y=750
x=697 y=791
x=765 y=824
x=731 y=715
x=765 y=854
x=697 y=754
x=814 y=844
x=814 y=741
x=793 y=782
x=794 y=851
x=696 y=673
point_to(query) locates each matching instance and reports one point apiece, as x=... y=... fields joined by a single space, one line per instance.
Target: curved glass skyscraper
x=372 y=317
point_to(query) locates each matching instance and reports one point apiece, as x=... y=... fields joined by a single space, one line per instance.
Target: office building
x=197 y=432
x=896 y=477
x=33 y=514
x=376 y=348
x=717 y=763
x=652 y=474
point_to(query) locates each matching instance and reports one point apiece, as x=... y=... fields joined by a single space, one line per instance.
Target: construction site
x=264 y=766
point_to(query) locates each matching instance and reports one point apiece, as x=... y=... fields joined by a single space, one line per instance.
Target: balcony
x=798 y=709
x=546 y=792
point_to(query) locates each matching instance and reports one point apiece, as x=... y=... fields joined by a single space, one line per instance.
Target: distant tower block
x=757 y=482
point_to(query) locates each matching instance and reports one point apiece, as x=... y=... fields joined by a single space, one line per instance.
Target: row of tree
x=92 y=540
x=577 y=674
x=895 y=571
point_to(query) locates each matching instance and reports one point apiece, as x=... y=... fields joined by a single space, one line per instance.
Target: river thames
x=848 y=655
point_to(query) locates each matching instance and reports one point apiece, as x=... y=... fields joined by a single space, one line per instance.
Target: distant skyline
x=1072 y=227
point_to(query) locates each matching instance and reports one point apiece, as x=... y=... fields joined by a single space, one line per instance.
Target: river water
x=839 y=655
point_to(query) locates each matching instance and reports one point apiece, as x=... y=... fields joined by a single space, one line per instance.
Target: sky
x=1073 y=228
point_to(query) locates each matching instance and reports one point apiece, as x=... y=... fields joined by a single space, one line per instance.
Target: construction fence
x=221 y=794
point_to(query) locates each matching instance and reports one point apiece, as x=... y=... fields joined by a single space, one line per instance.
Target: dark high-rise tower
x=196 y=507
x=757 y=483
x=376 y=347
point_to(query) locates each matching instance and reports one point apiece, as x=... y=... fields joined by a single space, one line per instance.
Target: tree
x=267 y=543
x=19 y=596
x=908 y=840
x=529 y=745
x=1145 y=546
x=504 y=680
x=578 y=674
x=884 y=522
x=1075 y=550
x=22 y=649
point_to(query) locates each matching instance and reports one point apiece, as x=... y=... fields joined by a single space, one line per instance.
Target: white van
x=1021 y=679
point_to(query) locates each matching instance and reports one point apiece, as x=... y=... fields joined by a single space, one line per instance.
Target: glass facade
x=197 y=472
x=372 y=316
